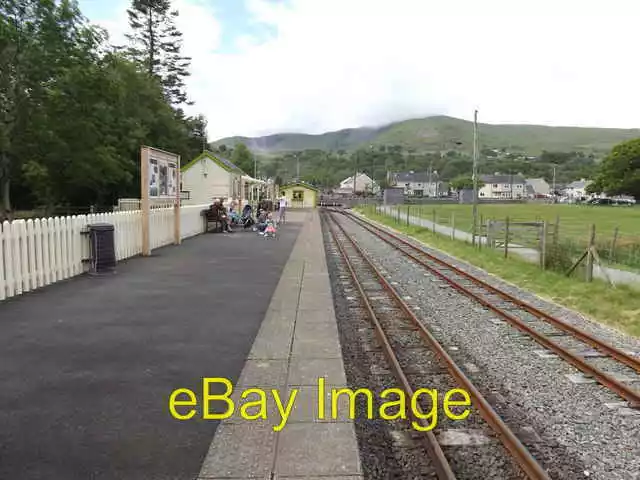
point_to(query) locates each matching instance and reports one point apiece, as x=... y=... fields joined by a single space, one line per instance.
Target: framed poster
x=159 y=179
x=162 y=173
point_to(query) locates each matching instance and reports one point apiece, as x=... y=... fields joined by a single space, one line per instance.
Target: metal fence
x=564 y=244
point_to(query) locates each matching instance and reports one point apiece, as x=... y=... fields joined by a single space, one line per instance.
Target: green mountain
x=441 y=133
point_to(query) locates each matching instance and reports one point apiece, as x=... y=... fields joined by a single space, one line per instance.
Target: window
x=298 y=195
x=495 y=185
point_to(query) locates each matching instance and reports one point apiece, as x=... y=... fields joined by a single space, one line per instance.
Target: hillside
x=442 y=133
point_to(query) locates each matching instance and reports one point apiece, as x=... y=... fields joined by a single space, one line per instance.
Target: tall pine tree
x=156 y=44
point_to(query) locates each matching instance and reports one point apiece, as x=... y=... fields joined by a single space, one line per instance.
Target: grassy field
x=619 y=307
x=573 y=229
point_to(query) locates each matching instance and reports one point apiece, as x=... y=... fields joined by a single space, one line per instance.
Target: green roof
x=299 y=184
x=222 y=162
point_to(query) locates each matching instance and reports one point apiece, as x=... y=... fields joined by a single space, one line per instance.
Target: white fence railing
x=35 y=253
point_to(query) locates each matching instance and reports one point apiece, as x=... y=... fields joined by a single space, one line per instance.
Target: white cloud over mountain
x=334 y=64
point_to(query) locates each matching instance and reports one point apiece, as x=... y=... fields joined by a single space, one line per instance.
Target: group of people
x=225 y=217
x=264 y=224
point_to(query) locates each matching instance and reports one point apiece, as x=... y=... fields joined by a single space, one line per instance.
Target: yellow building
x=300 y=195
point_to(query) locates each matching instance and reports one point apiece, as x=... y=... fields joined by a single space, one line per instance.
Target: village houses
x=418 y=184
x=502 y=187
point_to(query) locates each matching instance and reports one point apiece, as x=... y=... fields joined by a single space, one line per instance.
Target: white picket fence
x=35 y=253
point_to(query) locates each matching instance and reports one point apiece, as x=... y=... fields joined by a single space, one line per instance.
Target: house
x=502 y=187
x=364 y=184
x=577 y=189
x=300 y=195
x=419 y=184
x=539 y=186
x=210 y=176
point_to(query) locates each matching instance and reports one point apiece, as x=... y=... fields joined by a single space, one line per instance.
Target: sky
x=269 y=66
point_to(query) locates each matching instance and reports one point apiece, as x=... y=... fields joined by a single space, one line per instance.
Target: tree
x=464 y=182
x=197 y=132
x=39 y=41
x=73 y=113
x=157 y=44
x=619 y=172
x=243 y=158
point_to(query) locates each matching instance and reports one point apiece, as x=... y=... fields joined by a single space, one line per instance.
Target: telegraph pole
x=297 y=168
x=475 y=176
x=355 y=171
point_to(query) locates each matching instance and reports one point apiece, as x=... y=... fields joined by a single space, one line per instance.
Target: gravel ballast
x=573 y=430
x=392 y=449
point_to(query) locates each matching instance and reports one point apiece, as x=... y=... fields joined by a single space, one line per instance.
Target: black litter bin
x=103 y=248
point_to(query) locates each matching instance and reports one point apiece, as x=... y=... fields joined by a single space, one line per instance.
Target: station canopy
x=249 y=179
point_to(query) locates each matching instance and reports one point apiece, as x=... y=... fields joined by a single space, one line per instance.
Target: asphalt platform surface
x=87 y=365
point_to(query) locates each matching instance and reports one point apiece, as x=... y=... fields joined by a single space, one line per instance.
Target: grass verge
x=573 y=227
x=618 y=308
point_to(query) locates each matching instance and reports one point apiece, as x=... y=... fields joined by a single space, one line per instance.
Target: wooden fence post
x=556 y=232
x=506 y=237
x=492 y=232
x=612 y=251
x=592 y=243
x=433 y=222
x=543 y=249
x=408 y=207
x=480 y=232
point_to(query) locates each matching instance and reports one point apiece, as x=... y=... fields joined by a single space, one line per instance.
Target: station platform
x=87 y=366
x=297 y=344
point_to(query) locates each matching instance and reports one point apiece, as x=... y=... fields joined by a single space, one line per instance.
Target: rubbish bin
x=103 y=251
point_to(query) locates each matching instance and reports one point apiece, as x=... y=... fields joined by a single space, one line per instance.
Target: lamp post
x=429 y=177
x=373 y=166
x=475 y=176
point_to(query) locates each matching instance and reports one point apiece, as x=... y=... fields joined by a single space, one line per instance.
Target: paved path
x=87 y=365
x=528 y=254
x=297 y=343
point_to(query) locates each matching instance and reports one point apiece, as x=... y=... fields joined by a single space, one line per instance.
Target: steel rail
x=630 y=395
x=525 y=460
x=441 y=464
x=581 y=335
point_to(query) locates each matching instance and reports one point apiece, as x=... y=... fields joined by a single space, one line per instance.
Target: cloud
x=334 y=64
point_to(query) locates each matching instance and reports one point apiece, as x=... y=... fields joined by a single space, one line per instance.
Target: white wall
x=206 y=180
x=35 y=253
x=503 y=190
x=363 y=183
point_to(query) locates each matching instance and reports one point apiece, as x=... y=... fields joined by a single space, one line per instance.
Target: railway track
x=561 y=338
x=393 y=320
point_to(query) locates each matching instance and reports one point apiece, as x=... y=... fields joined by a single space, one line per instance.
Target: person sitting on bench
x=262 y=221
x=218 y=207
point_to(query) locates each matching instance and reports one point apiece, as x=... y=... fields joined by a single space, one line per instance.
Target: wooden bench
x=211 y=216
